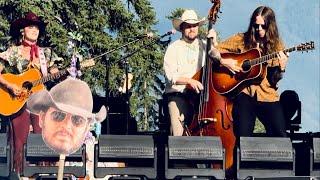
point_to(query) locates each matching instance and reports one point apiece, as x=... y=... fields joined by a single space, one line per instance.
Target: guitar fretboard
x=49 y=77
x=87 y=63
x=266 y=58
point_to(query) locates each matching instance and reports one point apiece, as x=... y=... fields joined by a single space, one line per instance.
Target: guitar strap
x=43 y=62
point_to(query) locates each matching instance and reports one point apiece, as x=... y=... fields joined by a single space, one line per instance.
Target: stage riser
x=158 y=153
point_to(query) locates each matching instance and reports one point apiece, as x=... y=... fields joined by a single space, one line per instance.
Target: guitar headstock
x=87 y=63
x=306 y=46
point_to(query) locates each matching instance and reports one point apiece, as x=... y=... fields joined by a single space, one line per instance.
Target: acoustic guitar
x=30 y=82
x=254 y=68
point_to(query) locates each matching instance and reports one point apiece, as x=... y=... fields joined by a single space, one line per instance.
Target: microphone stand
x=126 y=64
x=126 y=73
x=107 y=92
x=120 y=47
x=107 y=80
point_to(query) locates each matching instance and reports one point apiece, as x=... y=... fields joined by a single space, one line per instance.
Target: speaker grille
x=266 y=149
x=37 y=148
x=316 y=149
x=3 y=145
x=124 y=146
x=195 y=147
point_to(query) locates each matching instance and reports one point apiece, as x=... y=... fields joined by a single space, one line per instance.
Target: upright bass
x=213 y=117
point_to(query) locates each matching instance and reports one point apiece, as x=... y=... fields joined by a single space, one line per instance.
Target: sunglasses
x=256 y=26
x=59 y=116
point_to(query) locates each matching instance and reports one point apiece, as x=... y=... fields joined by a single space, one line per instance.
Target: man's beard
x=62 y=147
x=189 y=39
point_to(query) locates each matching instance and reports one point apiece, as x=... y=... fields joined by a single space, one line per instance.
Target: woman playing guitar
x=17 y=59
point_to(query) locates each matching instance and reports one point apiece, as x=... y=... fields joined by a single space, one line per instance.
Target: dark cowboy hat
x=29 y=19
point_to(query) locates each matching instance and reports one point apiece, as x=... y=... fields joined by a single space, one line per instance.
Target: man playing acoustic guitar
x=261 y=99
x=17 y=59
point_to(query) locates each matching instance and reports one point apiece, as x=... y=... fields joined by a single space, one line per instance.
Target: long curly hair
x=271 y=42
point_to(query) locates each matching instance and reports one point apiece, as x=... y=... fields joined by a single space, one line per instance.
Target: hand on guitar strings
x=14 y=89
x=231 y=64
x=283 y=60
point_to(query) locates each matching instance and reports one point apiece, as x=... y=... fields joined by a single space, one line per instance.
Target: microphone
x=147 y=35
x=172 y=31
x=151 y=35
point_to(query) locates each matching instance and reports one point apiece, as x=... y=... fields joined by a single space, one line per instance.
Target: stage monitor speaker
x=137 y=152
x=4 y=155
x=188 y=156
x=284 y=178
x=37 y=152
x=315 y=158
x=53 y=177
x=265 y=157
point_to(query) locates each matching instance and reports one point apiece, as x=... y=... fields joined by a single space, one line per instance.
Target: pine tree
x=103 y=25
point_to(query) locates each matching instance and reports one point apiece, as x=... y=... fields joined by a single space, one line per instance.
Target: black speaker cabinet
x=37 y=152
x=265 y=157
x=315 y=158
x=188 y=156
x=137 y=152
x=4 y=155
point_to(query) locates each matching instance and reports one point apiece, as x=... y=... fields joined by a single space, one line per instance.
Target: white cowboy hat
x=71 y=95
x=188 y=16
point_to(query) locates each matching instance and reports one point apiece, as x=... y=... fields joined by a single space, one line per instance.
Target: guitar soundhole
x=246 y=65
x=27 y=85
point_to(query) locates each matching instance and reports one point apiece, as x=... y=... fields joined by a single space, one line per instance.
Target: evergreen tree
x=103 y=25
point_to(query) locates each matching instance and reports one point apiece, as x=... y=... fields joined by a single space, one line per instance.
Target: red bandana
x=34 y=52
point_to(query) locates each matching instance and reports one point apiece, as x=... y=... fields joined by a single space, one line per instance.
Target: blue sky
x=298 y=22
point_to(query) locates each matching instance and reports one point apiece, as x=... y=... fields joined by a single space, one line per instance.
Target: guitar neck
x=49 y=77
x=86 y=63
x=268 y=57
